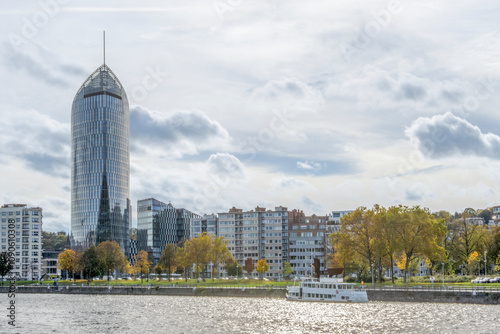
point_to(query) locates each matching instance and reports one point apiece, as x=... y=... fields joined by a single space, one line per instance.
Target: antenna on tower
x=104 y=44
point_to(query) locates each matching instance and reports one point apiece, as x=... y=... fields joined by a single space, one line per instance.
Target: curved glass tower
x=100 y=162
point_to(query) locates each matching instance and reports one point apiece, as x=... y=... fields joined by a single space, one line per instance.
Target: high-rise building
x=159 y=224
x=100 y=162
x=26 y=224
x=257 y=234
x=307 y=242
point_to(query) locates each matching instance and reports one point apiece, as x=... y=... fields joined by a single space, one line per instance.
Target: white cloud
x=447 y=135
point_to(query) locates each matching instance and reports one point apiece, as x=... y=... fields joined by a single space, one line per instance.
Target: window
x=34 y=247
x=35 y=226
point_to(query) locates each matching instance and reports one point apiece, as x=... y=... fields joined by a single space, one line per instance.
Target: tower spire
x=104 y=45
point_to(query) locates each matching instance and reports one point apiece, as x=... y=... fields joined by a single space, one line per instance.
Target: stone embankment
x=445 y=295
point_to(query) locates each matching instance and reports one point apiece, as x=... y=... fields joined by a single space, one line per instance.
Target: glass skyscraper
x=100 y=162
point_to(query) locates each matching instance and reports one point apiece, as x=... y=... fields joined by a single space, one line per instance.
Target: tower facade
x=100 y=162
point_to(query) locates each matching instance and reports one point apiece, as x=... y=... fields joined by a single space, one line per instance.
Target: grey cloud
x=288 y=87
x=448 y=135
x=413 y=195
x=191 y=125
x=412 y=92
x=48 y=164
x=40 y=63
x=312 y=205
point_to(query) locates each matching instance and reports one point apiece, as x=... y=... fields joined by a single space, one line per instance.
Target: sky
x=316 y=106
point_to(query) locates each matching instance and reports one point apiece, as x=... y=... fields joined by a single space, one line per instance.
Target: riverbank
x=448 y=295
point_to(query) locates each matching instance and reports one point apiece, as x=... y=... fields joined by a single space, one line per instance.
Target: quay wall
x=386 y=295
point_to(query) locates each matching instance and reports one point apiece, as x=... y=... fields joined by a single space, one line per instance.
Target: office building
x=100 y=162
x=206 y=224
x=159 y=224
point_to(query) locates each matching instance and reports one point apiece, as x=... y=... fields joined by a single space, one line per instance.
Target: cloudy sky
x=317 y=105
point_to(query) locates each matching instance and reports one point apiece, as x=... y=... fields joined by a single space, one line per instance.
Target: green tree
x=52 y=241
x=233 y=268
x=67 y=260
x=88 y=262
x=287 y=270
x=142 y=264
x=5 y=264
x=111 y=257
x=249 y=266
x=497 y=266
x=158 y=270
x=167 y=259
x=262 y=267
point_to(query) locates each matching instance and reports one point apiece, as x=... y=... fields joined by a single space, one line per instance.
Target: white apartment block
x=27 y=226
x=257 y=234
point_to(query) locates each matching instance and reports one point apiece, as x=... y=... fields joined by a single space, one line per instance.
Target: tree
x=419 y=233
x=287 y=270
x=110 y=257
x=233 y=268
x=262 y=267
x=67 y=260
x=218 y=254
x=198 y=251
x=52 y=241
x=317 y=268
x=5 y=264
x=167 y=259
x=473 y=262
x=182 y=258
x=142 y=263
x=249 y=266
x=464 y=238
x=158 y=269
x=497 y=266
x=358 y=227
x=88 y=262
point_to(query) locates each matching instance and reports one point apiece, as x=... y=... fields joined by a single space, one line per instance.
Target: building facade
x=257 y=234
x=307 y=242
x=159 y=224
x=27 y=226
x=100 y=162
x=206 y=224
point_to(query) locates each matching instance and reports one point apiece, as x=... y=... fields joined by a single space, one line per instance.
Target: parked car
x=495 y=280
x=477 y=280
x=485 y=280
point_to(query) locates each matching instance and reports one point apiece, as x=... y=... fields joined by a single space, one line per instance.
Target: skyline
x=316 y=107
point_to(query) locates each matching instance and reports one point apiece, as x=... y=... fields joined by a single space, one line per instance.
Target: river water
x=46 y=313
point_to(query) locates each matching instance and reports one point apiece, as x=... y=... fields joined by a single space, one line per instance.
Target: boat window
x=343 y=297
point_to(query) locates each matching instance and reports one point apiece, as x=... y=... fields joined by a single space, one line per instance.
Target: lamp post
x=443 y=272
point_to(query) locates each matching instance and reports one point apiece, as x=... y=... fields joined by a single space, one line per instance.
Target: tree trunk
x=392 y=269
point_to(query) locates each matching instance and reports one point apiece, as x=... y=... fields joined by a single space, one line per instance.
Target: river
x=75 y=314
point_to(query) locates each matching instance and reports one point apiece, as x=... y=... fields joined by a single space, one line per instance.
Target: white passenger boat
x=326 y=290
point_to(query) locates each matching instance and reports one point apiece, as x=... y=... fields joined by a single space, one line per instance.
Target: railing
x=435 y=288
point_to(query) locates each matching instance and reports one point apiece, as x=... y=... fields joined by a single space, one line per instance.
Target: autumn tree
x=419 y=233
x=473 y=262
x=249 y=266
x=262 y=267
x=387 y=235
x=198 y=251
x=465 y=237
x=5 y=264
x=88 y=262
x=67 y=260
x=218 y=254
x=142 y=263
x=182 y=258
x=167 y=259
x=110 y=257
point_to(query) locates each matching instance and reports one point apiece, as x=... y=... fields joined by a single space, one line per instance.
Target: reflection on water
x=169 y=314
